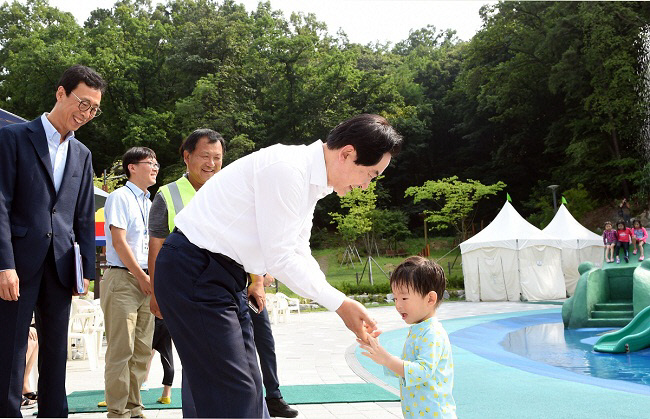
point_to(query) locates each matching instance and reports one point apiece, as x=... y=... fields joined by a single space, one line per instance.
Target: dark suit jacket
x=33 y=215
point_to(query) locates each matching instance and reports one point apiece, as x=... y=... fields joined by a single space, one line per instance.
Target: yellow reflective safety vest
x=177 y=195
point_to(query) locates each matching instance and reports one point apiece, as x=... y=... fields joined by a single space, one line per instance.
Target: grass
x=344 y=275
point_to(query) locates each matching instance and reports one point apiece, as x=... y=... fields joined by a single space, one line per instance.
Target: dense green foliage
x=343 y=275
x=545 y=92
x=456 y=201
x=358 y=205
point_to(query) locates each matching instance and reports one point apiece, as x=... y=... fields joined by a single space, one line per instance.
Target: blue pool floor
x=524 y=365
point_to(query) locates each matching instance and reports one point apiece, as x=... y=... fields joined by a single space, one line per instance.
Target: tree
x=578 y=203
x=238 y=147
x=112 y=179
x=357 y=221
x=37 y=43
x=456 y=201
x=548 y=91
x=391 y=225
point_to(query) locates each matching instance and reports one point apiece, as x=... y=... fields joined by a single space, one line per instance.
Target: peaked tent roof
x=7 y=118
x=572 y=234
x=511 y=231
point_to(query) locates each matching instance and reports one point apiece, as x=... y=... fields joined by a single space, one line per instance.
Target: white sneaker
x=144 y=386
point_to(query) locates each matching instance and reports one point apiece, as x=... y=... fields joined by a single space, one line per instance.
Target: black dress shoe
x=280 y=409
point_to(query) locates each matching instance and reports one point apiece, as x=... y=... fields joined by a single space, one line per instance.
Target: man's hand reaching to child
x=381 y=356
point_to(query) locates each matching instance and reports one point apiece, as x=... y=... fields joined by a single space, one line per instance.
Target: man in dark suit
x=46 y=204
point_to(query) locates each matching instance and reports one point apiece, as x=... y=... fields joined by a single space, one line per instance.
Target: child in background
x=426 y=369
x=609 y=239
x=640 y=236
x=623 y=238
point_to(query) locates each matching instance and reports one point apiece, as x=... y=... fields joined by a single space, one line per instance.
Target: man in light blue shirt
x=126 y=287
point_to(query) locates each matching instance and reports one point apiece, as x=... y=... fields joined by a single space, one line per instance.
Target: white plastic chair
x=271 y=307
x=281 y=306
x=97 y=328
x=80 y=329
x=293 y=304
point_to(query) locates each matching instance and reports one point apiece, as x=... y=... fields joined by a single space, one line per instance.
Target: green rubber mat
x=86 y=401
x=336 y=393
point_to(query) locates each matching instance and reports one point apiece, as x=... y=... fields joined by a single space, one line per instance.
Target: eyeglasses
x=84 y=105
x=150 y=163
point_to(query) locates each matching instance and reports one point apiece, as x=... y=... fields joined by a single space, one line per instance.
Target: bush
x=455 y=282
x=321 y=238
x=348 y=288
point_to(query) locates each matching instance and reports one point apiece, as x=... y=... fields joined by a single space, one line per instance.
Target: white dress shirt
x=258 y=211
x=58 y=150
x=128 y=208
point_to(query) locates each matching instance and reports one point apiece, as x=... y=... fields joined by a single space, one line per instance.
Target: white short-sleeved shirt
x=258 y=211
x=128 y=208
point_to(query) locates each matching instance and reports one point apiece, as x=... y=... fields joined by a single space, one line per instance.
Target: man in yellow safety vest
x=202 y=152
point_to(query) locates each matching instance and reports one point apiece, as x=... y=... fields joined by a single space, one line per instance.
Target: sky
x=364 y=21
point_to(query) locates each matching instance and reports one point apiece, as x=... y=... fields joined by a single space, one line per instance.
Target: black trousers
x=266 y=350
x=199 y=294
x=45 y=297
x=162 y=342
x=625 y=246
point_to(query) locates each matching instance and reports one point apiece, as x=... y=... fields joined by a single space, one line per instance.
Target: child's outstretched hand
x=381 y=356
x=375 y=351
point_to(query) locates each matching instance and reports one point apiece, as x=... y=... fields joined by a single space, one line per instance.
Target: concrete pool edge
x=361 y=372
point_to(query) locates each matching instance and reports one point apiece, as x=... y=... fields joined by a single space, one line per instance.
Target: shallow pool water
x=538 y=343
x=571 y=349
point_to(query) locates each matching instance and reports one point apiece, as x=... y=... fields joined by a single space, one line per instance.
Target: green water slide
x=633 y=337
x=610 y=295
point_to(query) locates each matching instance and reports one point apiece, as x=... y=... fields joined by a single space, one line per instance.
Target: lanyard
x=140 y=208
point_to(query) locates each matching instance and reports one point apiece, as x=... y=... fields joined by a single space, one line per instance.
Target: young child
x=623 y=237
x=609 y=239
x=426 y=369
x=640 y=236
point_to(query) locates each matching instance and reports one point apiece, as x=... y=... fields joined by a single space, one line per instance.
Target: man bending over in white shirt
x=255 y=216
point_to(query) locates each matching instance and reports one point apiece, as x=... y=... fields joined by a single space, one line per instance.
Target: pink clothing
x=624 y=236
x=609 y=236
x=640 y=234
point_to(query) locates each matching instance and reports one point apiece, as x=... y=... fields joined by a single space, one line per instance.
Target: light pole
x=553 y=188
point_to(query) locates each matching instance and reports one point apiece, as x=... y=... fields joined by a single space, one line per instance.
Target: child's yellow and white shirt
x=428 y=379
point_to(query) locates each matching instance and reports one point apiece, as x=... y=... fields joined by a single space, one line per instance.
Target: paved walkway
x=311 y=349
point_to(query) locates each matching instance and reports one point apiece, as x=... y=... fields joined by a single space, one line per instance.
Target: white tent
x=578 y=245
x=511 y=257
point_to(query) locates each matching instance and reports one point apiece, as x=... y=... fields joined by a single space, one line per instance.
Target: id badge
x=145 y=244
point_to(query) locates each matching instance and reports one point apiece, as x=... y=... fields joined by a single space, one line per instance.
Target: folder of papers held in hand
x=79 y=270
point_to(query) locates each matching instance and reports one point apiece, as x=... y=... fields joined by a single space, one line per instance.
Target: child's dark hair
x=608 y=222
x=637 y=221
x=420 y=275
x=619 y=222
